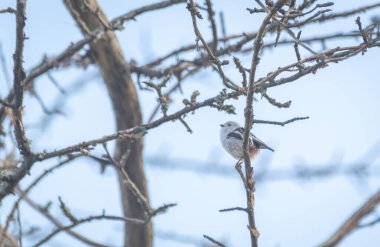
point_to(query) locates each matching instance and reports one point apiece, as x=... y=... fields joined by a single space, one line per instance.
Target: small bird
x=231 y=137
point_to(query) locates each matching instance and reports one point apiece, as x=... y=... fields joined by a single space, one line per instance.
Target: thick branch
x=19 y=76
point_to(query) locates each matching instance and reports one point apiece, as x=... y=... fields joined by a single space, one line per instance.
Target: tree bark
x=116 y=74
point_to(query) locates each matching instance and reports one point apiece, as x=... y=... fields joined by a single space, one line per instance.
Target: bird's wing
x=238 y=134
x=258 y=143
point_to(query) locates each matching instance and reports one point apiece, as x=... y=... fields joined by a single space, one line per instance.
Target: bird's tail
x=267 y=147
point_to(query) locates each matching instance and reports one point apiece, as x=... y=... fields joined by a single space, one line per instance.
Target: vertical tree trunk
x=115 y=72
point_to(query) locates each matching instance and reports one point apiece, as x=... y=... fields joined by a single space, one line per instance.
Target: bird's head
x=230 y=125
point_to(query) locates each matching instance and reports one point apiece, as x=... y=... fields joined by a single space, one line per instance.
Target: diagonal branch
x=48 y=64
x=26 y=191
x=43 y=210
x=87 y=220
x=214 y=58
x=353 y=222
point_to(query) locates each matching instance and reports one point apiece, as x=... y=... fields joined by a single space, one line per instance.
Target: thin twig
x=234 y=209
x=222 y=24
x=257 y=121
x=241 y=70
x=8 y=10
x=213 y=241
x=27 y=190
x=141 y=199
x=118 y=22
x=86 y=220
x=214 y=59
x=369 y=224
x=4 y=103
x=4 y=67
x=43 y=211
x=364 y=35
x=211 y=18
x=275 y=102
x=20 y=231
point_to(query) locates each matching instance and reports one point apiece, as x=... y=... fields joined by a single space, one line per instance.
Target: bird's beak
x=221 y=125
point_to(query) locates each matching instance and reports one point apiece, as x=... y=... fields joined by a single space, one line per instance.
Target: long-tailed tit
x=231 y=137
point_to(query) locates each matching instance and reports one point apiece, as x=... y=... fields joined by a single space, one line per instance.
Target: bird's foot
x=238 y=164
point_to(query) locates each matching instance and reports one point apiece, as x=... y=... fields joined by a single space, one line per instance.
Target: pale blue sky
x=341 y=100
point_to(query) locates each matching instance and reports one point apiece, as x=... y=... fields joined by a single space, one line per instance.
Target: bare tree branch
x=352 y=223
x=87 y=220
x=27 y=190
x=248 y=114
x=8 y=10
x=100 y=46
x=211 y=18
x=119 y=21
x=213 y=241
x=45 y=212
x=214 y=58
x=257 y=121
x=19 y=76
